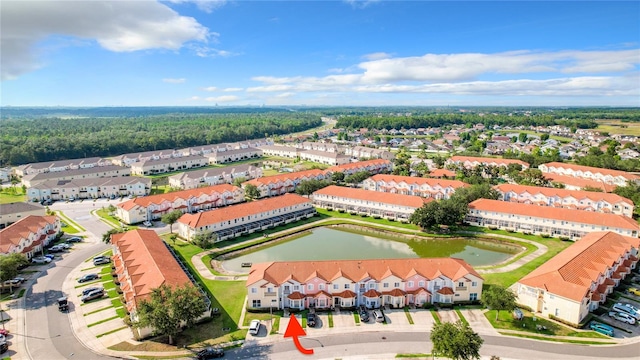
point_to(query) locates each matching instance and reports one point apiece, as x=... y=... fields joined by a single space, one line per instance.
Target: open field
x=12 y=194
x=619 y=127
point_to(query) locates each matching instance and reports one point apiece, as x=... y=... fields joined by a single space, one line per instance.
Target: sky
x=334 y=53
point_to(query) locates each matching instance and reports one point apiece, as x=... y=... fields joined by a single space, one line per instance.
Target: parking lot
x=624 y=297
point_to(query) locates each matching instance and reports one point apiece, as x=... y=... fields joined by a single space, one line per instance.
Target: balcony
x=273 y=293
x=461 y=288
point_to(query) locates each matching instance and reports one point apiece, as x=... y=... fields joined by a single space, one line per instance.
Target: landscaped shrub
x=545 y=236
x=493 y=228
x=564 y=238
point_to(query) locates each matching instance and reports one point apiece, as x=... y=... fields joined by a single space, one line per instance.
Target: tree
x=544 y=137
x=111 y=208
x=205 y=239
x=402 y=163
x=592 y=189
x=106 y=237
x=251 y=191
x=169 y=308
x=9 y=265
x=239 y=180
x=498 y=298
x=456 y=341
x=308 y=187
x=358 y=177
x=171 y=218
x=337 y=176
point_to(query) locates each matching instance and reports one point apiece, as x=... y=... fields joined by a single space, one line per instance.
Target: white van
x=377 y=314
x=627 y=309
x=254 y=327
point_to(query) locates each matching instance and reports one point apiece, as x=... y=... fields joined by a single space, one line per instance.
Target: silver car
x=624 y=317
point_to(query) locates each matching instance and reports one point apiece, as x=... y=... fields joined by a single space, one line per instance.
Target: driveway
x=448 y=315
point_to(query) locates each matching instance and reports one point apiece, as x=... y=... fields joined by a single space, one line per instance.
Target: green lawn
x=619 y=127
x=581 y=342
x=507 y=322
x=337 y=214
x=68 y=221
x=12 y=194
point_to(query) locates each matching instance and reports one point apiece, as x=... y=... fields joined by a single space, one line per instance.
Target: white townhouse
x=324 y=157
x=60 y=165
x=232 y=155
x=5 y=175
x=12 y=212
x=128 y=159
x=570 y=199
x=373 y=283
x=89 y=188
x=410 y=185
x=364 y=202
x=319 y=146
x=29 y=235
x=95 y=172
x=608 y=176
x=280 y=150
x=153 y=207
x=363 y=152
x=470 y=162
x=246 y=218
x=153 y=166
x=556 y=222
x=214 y=176
x=576 y=183
x=373 y=166
x=579 y=279
x=284 y=183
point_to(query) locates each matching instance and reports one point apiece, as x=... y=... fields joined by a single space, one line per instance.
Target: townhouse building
x=576 y=183
x=143 y=262
x=363 y=152
x=95 y=172
x=373 y=166
x=12 y=212
x=247 y=218
x=607 y=176
x=5 y=175
x=470 y=162
x=223 y=157
x=284 y=183
x=60 y=165
x=319 y=146
x=128 y=159
x=280 y=150
x=579 y=279
x=324 y=157
x=89 y=188
x=29 y=235
x=410 y=185
x=570 y=199
x=364 y=202
x=373 y=283
x=214 y=176
x=152 y=207
x=552 y=221
x=442 y=174
x=159 y=166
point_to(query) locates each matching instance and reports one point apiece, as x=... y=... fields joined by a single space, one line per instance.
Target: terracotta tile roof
x=548 y=192
x=359 y=164
x=412 y=180
x=173 y=196
x=571 y=273
x=394 y=292
x=593 y=170
x=296 y=296
x=459 y=158
x=549 y=212
x=347 y=294
x=356 y=270
x=374 y=196
x=371 y=293
x=148 y=262
x=293 y=176
x=240 y=210
x=579 y=182
x=446 y=291
x=442 y=173
x=21 y=229
x=419 y=291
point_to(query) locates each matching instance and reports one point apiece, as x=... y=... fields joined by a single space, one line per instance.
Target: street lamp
x=271 y=312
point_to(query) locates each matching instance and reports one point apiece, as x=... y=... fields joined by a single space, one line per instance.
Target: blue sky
x=202 y=53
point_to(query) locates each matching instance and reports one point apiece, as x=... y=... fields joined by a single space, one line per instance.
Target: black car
x=86 y=291
x=311 y=319
x=88 y=277
x=4 y=347
x=210 y=353
x=364 y=315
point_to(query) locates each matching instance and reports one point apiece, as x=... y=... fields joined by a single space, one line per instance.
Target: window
x=421 y=283
x=372 y=285
x=474 y=283
x=410 y=284
x=385 y=285
x=461 y=284
x=346 y=286
x=336 y=286
x=256 y=303
x=321 y=287
x=254 y=290
x=396 y=285
x=310 y=287
x=473 y=296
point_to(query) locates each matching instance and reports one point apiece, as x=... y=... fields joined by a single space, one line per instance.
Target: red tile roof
x=240 y=210
x=579 y=182
x=571 y=273
x=419 y=181
x=462 y=159
x=347 y=294
x=356 y=270
x=442 y=173
x=374 y=196
x=371 y=293
x=173 y=196
x=549 y=212
x=593 y=170
x=446 y=291
x=265 y=180
x=148 y=262
x=548 y=192
x=359 y=164
x=21 y=229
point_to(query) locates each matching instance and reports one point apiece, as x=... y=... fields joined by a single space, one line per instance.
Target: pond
x=341 y=244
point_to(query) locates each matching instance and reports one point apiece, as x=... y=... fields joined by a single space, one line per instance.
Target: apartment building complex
x=373 y=283
x=578 y=280
x=576 y=183
x=89 y=188
x=470 y=162
x=159 y=166
x=214 y=176
x=247 y=218
x=607 y=176
x=153 y=207
x=60 y=165
x=373 y=166
x=409 y=185
x=12 y=212
x=76 y=174
x=29 y=235
x=275 y=185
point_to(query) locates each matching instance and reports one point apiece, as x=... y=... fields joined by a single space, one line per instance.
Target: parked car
x=88 y=277
x=147 y=224
x=4 y=332
x=3 y=339
x=628 y=309
x=378 y=315
x=4 y=347
x=19 y=278
x=364 y=314
x=311 y=319
x=88 y=290
x=13 y=282
x=254 y=327
x=65 y=246
x=56 y=248
x=633 y=291
x=95 y=294
x=74 y=239
x=100 y=260
x=601 y=328
x=210 y=353
x=517 y=314
x=624 y=317
x=50 y=256
x=41 y=260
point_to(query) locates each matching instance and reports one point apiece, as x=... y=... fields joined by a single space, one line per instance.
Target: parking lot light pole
x=271 y=312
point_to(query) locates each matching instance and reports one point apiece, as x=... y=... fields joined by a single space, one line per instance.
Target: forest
x=35 y=135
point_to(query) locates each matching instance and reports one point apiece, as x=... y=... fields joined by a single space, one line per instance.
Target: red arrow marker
x=294 y=330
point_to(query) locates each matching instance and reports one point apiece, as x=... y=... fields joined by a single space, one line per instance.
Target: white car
x=624 y=317
x=254 y=327
x=41 y=260
x=147 y=224
x=627 y=308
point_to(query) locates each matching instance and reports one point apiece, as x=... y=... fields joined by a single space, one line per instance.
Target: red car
x=4 y=332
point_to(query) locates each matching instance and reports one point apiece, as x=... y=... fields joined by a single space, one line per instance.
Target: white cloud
x=194 y=98
x=376 y=56
x=285 y=95
x=223 y=98
x=207 y=6
x=232 y=89
x=174 y=81
x=119 y=26
x=360 y=4
x=206 y=51
x=210 y=88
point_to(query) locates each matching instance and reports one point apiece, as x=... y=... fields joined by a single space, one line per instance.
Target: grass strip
x=121 y=312
x=330 y=319
x=406 y=312
x=275 y=326
x=112 y=331
x=356 y=318
x=413 y=355
x=68 y=221
x=461 y=317
x=436 y=317
x=103 y=321
x=98 y=310
x=569 y=341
